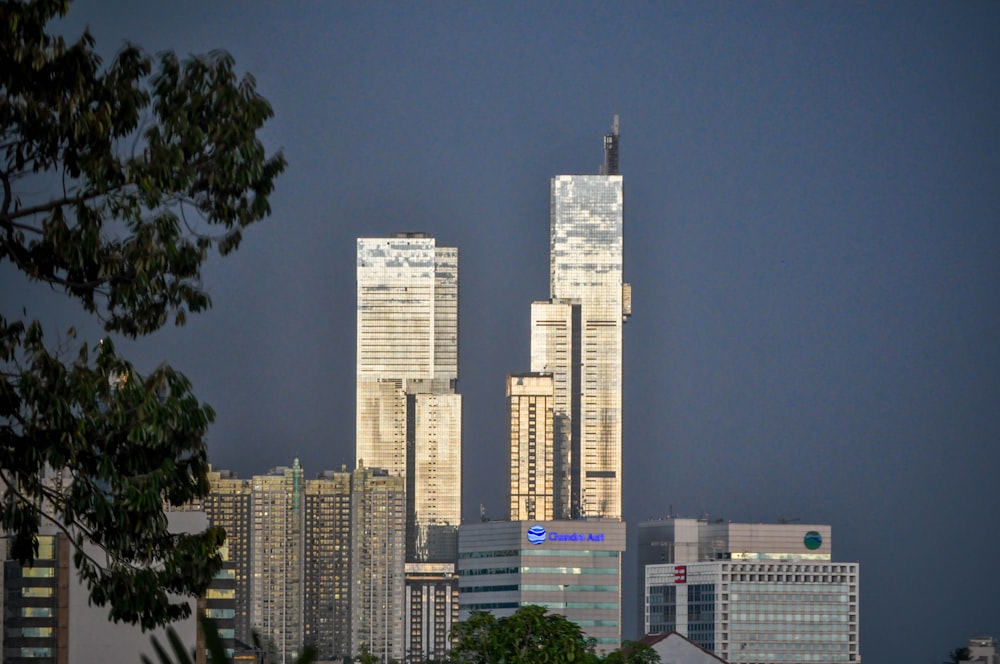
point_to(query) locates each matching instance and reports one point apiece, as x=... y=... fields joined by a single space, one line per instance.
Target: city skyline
x=811 y=242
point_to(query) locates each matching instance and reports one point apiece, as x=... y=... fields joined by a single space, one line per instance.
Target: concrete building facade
x=983 y=650
x=326 y=551
x=378 y=526
x=228 y=506
x=530 y=399
x=276 y=574
x=750 y=593
x=431 y=610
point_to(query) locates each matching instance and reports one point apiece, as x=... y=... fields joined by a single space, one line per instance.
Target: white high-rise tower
x=563 y=547
x=409 y=417
x=576 y=336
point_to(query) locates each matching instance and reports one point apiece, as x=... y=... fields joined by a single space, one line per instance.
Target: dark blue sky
x=812 y=210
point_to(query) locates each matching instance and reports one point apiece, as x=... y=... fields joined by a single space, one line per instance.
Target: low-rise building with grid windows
x=750 y=593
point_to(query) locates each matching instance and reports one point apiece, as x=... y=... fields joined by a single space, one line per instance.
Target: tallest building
x=562 y=547
x=576 y=335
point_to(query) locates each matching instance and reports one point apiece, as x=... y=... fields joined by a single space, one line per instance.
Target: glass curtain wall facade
x=577 y=337
x=35 y=603
x=409 y=416
x=572 y=568
x=752 y=593
x=752 y=612
x=562 y=548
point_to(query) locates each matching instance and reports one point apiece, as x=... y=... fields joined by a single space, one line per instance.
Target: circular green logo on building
x=813 y=540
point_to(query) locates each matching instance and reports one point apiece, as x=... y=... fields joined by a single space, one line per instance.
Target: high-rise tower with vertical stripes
x=409 y=415
x=576 y=335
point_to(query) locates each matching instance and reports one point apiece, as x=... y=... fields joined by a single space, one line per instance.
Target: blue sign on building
x=537 y=535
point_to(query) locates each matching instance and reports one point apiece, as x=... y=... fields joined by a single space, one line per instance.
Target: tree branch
x=7 y=217
x=52 y=496
x=5 y=179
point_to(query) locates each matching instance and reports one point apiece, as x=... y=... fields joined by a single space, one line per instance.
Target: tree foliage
x=529 y=636
x=115 y=183
x=214 y=646
x=633 y=652
x=958 y=655
x=366 y=656
x=533 y=636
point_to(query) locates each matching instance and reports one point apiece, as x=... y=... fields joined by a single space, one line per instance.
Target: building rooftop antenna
x=610 y=166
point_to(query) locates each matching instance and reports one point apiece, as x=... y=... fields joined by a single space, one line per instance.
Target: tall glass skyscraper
x=409 y=416
x=562 y=548
x=577 y=337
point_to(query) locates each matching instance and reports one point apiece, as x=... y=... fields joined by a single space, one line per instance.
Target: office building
x=983 y=650
x=572 y=568
x=409 y=416
x=576 y=336
x=532 y=449
x=378 y=524
x=750 y=593
x=562 y=548
x=326 y=559
x=276 y=559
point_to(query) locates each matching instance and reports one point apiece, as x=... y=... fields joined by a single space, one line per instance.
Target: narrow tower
x=409 y=417
x=577 y=337
x=563 y=546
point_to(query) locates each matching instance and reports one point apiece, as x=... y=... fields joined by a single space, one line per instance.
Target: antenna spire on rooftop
x=610 y=166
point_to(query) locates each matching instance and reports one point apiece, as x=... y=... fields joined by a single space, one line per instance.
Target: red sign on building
x=681 y=574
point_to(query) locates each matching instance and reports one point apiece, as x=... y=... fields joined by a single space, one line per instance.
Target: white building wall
x=790 y=611
x=93 y=639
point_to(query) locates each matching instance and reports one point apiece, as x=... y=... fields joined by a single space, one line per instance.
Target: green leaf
x=112 y=238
